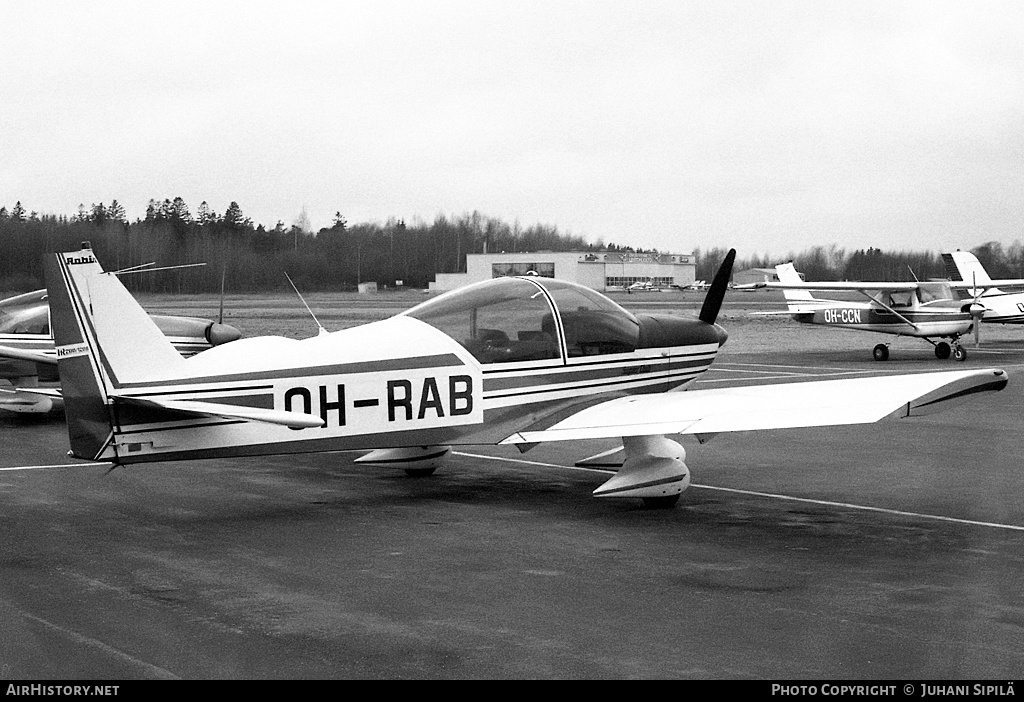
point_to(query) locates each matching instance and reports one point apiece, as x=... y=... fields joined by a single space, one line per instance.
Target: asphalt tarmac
x=887 y=551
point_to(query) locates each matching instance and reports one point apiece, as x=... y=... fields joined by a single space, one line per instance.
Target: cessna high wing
x=925 y=310
x=1000 y=307
x=510 y=361
x=27 y=354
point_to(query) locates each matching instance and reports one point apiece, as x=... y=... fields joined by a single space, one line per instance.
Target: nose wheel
x=881 y=352
x=943 y=350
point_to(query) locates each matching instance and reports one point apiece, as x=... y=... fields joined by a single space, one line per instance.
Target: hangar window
x=544 y=269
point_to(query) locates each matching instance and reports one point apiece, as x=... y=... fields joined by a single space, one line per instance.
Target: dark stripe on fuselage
x=634 y=369
x=213 y=422
x=384 y=365
x=663 y=375
x=1004 y=319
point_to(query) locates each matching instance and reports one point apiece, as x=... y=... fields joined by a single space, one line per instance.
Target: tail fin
x=965 y=266
x=716 y=293
x=104 y=340
x=788 y=275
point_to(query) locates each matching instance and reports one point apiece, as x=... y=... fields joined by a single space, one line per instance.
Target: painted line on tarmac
x=532 y=463
x=776 y=365
x=770 y=495
x=154 y=670
x=788 y=376
x=59 y=465
x=864 y=508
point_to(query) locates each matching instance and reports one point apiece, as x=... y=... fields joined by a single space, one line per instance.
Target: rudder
x=82 y=387
x=788 y=275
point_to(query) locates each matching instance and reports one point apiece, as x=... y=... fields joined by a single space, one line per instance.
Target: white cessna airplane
x=511 y=361
x=1000 y=307
x=924 y=310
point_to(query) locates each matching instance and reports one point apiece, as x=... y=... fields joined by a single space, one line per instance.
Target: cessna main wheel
x=960 y=353
x=881 y=352
x=942 y=350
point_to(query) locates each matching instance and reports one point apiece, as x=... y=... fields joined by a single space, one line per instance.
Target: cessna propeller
x=976 y=310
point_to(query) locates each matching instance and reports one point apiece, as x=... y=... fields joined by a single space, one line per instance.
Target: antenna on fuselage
x=322 y=330
x=223 y=275
x=146 y=268
x=716 y=293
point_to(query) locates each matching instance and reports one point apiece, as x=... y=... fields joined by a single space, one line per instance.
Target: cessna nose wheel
x=881 y=352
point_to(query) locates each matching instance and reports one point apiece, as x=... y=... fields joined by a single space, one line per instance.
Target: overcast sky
x=768 y=126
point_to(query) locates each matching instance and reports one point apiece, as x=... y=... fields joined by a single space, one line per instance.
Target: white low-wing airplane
x=27 y=355
x=1000 y=307
x=511 y=361
x=925 y=310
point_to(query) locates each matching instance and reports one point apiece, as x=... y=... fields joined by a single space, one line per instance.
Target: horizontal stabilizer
x=293 y=420
x=793 y=309
x=776 y=406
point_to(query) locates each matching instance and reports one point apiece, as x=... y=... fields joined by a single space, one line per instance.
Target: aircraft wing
x=987 y=285
x=24 y=355
x=294 y=420
x=777 y=406
x=845 y=285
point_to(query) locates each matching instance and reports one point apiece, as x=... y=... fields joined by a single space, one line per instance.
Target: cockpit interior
x=515 y=319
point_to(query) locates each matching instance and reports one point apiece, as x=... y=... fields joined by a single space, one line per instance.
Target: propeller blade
x=716 y=293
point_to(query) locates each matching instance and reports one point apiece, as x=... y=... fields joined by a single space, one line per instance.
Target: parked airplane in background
x=924 y=310
x=27 y=355
x=1000 y=307
x=696 y=285
x=509 y=361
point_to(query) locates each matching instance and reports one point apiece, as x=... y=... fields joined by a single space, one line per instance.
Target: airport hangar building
x=600 y=270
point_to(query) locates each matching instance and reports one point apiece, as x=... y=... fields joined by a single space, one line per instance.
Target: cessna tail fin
x=788 y=275
x=965 y=266
x=103 y=339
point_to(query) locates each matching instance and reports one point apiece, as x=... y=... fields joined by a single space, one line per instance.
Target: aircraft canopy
x=514 y=319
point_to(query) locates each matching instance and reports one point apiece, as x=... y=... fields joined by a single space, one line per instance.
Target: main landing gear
x=942 y=350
